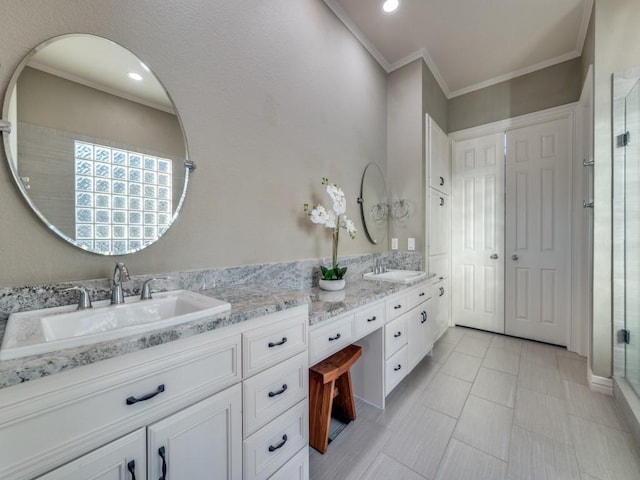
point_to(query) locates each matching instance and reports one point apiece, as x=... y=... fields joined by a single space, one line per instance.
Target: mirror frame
x=9 y=130
x=367 y=222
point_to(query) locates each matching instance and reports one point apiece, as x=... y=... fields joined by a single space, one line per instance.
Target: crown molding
x=335 y=7
x=362 y=38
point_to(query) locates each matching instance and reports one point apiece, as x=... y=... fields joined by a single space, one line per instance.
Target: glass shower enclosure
x=626 y=158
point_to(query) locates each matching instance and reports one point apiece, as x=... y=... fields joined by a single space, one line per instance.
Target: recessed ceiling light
x=390 y=6
x=135 y=76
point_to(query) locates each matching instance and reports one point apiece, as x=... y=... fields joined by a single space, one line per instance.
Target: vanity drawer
x=330 y=338
x=369 y=319
x=396 y=306
x=295 y=469
x=90 y=406
x=396 y=368
x=267 y=450
x=272 y=392
x=270 y=344
x=418 y=295
x=395 y=335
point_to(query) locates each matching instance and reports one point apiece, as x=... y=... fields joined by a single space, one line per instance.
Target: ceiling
x=469 y=44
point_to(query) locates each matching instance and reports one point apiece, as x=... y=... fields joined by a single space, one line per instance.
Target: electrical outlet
x=411 y=244
x=394 y=244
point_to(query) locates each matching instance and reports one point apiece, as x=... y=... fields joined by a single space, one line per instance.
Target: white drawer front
x=330 y=338
x=396 y=369
x=85 y=415
x=396 y=306
x=295 y=469
x=274 y=391
x=395 y=335
x=267 y=450
x=369 y=319
x=418 y=295
x=267 y=346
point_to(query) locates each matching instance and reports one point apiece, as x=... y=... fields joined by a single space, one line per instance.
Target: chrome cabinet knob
x=514 y=257
x=494 y=256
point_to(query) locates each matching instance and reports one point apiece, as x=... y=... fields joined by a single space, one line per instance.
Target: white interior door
x=478 y=233
x=538 y=231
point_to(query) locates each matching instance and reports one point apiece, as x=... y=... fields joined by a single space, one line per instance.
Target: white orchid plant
x=334 y=219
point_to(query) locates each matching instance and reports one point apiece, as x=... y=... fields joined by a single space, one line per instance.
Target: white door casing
x=478 y=232
x=538 y=231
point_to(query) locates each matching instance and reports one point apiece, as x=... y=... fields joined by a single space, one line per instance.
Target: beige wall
x=412 y=92
x=617 y=41
x=273 y=96
x=550 y=87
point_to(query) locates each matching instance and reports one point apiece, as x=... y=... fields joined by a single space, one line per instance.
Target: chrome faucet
x=120 y=272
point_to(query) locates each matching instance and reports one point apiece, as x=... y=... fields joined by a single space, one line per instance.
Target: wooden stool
x=324 y=378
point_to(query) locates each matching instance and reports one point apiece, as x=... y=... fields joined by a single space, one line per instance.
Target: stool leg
x=320 y=402
x=345 y=400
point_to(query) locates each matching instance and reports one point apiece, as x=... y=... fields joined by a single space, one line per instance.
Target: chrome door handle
x=514 y=257
x=494 y=256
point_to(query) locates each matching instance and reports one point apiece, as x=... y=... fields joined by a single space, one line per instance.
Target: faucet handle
x=145 y=294
x=85 y=298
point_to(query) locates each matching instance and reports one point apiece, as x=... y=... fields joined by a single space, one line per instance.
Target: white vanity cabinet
x=421 y=331
x=275 y=389
x=177 y=405
x=201 y=441
x=122 y=459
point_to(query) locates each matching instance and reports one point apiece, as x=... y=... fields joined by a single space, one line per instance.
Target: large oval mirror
x=374 y=204
x=96 y=145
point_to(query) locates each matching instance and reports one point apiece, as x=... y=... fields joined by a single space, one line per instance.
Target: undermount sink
x=50 y=329
x=397 y=276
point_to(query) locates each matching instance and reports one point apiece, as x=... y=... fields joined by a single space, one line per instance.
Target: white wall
x=273 y=95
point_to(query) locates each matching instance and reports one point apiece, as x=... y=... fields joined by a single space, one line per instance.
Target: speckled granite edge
x=258 y=295
x=248 y=302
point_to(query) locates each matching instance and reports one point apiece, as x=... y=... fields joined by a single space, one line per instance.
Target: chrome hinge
x=623 y=140
x=624 y=336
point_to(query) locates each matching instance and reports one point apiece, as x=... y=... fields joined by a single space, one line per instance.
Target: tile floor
x=486 y=407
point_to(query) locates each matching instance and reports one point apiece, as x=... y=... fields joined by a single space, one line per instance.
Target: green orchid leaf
x=340 y=272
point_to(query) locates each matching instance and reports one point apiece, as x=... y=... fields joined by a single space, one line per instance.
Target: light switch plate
x=411 y=244
x=394 y=244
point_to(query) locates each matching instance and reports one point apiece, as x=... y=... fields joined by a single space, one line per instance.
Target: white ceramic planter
x=332 y=285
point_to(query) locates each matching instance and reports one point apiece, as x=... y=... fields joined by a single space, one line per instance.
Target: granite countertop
x=247 y=302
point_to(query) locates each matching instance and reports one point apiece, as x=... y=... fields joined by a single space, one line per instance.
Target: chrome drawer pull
x=424 y=316
x=396 y=335
x=280 y=445
x=421 y=294
x=441 y=181
x=397 y=307
x=281 y=342
x=148 y=396
x=397 y=368
x=331 y=339
x=131 y=466
x=372 y=319
x=441 y=291
x=279 y=392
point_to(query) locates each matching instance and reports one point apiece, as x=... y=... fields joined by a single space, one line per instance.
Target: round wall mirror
x=96 y=144
x=374 y=204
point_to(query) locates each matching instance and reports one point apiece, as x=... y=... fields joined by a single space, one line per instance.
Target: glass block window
x=122 y=198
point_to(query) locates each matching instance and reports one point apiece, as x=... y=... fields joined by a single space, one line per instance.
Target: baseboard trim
x=600 y=384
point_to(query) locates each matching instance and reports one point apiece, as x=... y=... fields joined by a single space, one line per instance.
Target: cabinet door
x=442 y=315
x=201 y=442
x=438 y=157
x=415 y=336
x=122 y=459
x=421 y=332
x=439 y=209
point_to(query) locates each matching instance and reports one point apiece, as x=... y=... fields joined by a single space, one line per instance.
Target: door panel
x=478 y=232
x=538 y=231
